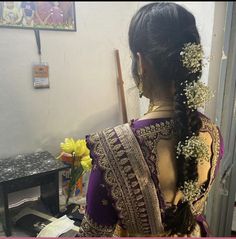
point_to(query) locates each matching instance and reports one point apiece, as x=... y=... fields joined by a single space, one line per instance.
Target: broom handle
x=121 y=87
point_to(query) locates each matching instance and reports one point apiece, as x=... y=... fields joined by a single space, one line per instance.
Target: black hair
x=158 y=31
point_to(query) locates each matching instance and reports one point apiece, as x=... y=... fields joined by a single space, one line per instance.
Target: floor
x=14 y=211
x=36 y=205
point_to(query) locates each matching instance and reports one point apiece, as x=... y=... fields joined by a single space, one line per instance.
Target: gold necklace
x=160 y=108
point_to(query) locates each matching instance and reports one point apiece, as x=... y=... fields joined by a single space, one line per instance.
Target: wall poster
x=58 y=16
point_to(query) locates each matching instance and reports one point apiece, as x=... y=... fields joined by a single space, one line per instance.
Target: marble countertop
x=28 y=165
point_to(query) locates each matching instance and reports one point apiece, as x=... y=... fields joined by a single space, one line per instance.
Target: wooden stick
x=121 y=87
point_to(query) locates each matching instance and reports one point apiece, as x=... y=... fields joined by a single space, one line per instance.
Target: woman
x=151 y=177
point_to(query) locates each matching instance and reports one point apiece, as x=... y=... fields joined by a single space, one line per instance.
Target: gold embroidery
x=104 y=202
x=118 y=153
x=129 y=178
x=120 y=232
x=159 y=129
x=122 y=203
x=147 y=191
x=152 y=134
x=89 y=228
x=208 y=126
x=132 y=217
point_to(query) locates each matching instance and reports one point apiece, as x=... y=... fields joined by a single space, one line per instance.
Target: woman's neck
x=161 y=101
x=160 y=108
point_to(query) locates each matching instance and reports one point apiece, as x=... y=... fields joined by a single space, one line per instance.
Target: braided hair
x=158 y=31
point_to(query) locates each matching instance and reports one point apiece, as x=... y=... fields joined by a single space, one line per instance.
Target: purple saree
x=124 y=196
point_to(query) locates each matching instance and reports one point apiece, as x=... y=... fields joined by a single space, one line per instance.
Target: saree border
x=211 y=128
x=149 y=137
x=145 y=181
x=137 y=211
x=121 y=159
x=89 y=228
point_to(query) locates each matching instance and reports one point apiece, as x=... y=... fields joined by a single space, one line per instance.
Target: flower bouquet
x=76 y=154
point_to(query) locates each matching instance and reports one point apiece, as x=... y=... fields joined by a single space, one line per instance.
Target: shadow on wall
x=16 y=122
x=97 y=122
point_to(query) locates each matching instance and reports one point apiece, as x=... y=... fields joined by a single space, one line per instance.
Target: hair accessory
x=197 y=93
x=193 y=147
x=191 y=191
x=192 y=57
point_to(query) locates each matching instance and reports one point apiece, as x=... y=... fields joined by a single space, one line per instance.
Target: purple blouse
x=100 y=204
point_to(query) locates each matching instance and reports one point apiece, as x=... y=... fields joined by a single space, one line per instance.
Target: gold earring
x=140 y=86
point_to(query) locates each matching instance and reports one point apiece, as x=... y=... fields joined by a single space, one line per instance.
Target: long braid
x=181 y=131
x=158 y=31
x=187 y=123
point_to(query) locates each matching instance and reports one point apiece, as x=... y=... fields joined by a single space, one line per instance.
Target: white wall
x=83 y=95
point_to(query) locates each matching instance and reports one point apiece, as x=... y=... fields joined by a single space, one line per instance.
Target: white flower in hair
x=192 y=57
x=191 y=191
x=193 y=147
x=197 y=93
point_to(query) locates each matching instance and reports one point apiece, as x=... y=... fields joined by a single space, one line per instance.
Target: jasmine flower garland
x=192 y=56
x=193 y=147
x=197 y=93
x=191 y=191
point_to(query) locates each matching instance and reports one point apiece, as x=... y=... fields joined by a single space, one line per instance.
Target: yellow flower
x=87 y=152
x=80 y=147
x=68 y=146
x=86 y=163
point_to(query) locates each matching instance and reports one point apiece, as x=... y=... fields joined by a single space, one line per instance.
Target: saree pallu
x=124 y=196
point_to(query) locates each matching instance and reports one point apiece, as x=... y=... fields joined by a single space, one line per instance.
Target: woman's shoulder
x=210 y=129
x=151 y=124
x=102 y=136
x=209 y=126
x=105 y=131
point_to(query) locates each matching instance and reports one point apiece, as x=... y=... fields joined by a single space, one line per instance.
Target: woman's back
x=133 y=181
x=166 y=166
x=166 y=163
x=161 y=148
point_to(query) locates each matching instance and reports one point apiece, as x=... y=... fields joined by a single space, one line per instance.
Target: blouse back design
x=126 y=177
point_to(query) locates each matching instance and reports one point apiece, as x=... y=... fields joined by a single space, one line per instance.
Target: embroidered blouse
x=124 y=197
